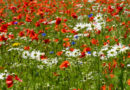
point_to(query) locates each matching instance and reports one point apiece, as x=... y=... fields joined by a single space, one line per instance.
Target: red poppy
x=47 y=41
x=28 y=19
x=21 y=33
x=114 y=63
x=103 y=87
x=35 y=37
x=26 y=48
x=17 y=78
x=66 y=44
x=64 y=64
x=11 y=36
x=66 y=39
x=91 y=18
x=37 y=24
x=74 y=15
x=43 y=57
x=94 y=41
x=112 y=75
x=86 y=49
x=59 y=53
x=71 y=49
x=9 y=81
x=56 y=40
x=82 y=54
x=58 y=21
x=64 y=30
x=3 y=28
x=3 y=38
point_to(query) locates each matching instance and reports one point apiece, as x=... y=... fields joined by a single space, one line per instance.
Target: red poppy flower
x=17 y=78
x=21 y=33
x=58 y=21
x=94 y=41
x=26 y=48
x=9 y=81
x=47 y=41
x=86 y=49
x=59 y=53
x=103 y=87
x=28 y=19
x=11 y=36
x=3 y=28
x=43 y=57
x=82 y=54
x=3 y=38
x=71 y=49
x=56 y=40
x=74 y=15
x=64 y=64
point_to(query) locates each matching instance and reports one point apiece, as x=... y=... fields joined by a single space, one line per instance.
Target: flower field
x=64 y=45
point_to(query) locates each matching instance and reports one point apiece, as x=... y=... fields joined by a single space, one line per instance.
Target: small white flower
x=111 y=53
x=74 y=53
x=123 y=49
x=79 y=26
x=89 y=27
x=54 y=61
x=128 y=65
x=2 y=76
x=98 y=17
x=95 y=53
x=68 y=53
x=44 y=61
x=35 y=55
x=26 y=54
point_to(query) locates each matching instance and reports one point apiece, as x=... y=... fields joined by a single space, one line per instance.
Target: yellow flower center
x=16 y=44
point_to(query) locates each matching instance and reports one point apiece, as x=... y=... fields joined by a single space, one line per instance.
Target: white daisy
x=128 y=65
x=68 y=53
x=111 y=53
x=4 y=75
x=76 y=53
x=98 y=17
x=79 y=26
x=35 y=55
x=89 y=27
x=26 y=54
x=95 y=53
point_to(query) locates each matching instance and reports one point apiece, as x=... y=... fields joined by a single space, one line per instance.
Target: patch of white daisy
x=97 y=24
x=4 y=75
x=111 y=51
x=74 y=53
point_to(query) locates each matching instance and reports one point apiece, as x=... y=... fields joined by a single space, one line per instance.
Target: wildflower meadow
x=64 y=44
